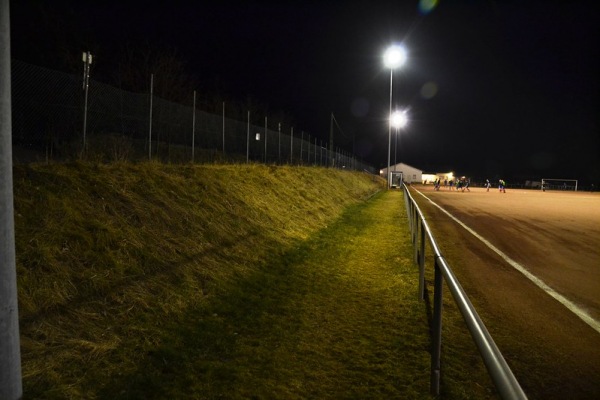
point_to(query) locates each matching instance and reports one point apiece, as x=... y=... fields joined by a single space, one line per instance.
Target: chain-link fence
x=53 y=121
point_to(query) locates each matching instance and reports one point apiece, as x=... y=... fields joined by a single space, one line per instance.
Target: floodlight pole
x=11 y=387
x=389 y=179
x=394 y=57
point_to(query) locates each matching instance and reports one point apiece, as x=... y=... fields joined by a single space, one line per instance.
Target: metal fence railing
x=53 y=120
x=505 y=382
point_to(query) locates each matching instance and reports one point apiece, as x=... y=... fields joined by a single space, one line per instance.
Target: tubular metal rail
x=499 y=371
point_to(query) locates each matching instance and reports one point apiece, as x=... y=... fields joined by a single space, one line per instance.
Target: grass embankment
x=154 y=281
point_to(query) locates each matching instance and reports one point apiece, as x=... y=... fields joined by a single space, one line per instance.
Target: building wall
x=431 y=178
x=411 y=174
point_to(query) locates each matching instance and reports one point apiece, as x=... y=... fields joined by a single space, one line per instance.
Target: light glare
x=394 y=57
x=399 y=119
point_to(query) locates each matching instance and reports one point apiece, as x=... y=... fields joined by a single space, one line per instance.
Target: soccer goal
x=559 y=184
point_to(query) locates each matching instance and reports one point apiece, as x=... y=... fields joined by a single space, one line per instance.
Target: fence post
x=11 y=387
x=248 y=139
x=193 y=125
x=292 y=146
x=301 y=145
x=331 y=139
x=150 y=119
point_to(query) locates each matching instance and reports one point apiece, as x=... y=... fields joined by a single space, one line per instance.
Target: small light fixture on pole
x=394 y=57
x=87 y=62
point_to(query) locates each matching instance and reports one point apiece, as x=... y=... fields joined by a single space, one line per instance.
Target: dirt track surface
x=556 y=237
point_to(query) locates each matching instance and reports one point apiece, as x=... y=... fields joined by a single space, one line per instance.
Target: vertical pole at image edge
x=10 y=356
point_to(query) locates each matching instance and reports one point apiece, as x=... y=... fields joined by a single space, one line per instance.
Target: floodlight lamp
x=394 y=56
x=399 y=119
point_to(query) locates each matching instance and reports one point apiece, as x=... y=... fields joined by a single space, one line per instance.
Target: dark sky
x=494 y=88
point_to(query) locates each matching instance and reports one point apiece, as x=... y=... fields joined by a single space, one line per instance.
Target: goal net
x=559 y=184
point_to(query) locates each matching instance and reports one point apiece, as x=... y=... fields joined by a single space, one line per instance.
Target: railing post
x=410 y=216
x=422 y=265
x=415 y=233
x=415 y=226
x=436 y=330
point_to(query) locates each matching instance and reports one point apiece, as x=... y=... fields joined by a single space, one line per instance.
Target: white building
x=442 y=176
x=402 y=171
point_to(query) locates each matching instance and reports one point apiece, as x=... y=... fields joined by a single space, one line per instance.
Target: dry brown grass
x=108 y=253
x=237 y=281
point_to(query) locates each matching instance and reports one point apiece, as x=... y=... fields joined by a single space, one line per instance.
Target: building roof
x=400 y=165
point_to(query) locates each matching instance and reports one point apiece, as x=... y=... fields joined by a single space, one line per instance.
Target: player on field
x=502 y=186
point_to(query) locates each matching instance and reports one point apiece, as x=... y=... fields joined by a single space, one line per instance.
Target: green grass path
x=335 y=318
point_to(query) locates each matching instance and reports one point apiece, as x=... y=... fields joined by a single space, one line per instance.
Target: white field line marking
x=584 y=316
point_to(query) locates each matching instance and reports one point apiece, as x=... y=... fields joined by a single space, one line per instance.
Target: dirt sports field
x=555 y=235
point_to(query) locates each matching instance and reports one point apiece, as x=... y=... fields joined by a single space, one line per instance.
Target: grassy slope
x=110 y=255
x=157 y=281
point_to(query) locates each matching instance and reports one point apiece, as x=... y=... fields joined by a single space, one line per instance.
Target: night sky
x=494 y=89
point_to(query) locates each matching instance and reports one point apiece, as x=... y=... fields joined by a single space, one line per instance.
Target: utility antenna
x=87 y=61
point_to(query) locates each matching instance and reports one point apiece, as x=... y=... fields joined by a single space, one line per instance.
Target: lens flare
x=426 y=6
x=429 y=90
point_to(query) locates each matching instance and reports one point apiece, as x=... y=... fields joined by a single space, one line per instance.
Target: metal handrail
x=504 y=380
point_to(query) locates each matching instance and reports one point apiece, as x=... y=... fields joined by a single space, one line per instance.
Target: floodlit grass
x=239 y=281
